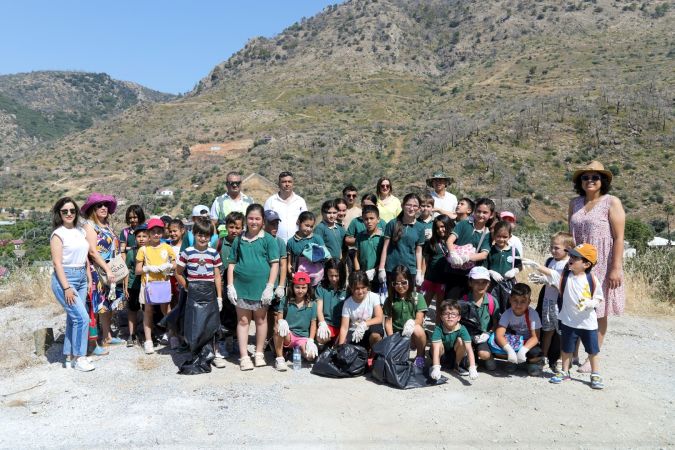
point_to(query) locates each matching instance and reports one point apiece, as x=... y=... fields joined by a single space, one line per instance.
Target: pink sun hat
x=96 y=198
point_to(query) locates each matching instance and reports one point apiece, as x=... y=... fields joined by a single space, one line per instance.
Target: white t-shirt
x=360 y=311
x=578 y=291
x=514 y=241
x=551 y=292
x=75 y=246
x=447 y=203
x=518 y=325
x=288 y=211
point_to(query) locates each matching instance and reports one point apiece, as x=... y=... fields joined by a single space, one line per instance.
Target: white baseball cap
x=200 y=210
x=479 y=273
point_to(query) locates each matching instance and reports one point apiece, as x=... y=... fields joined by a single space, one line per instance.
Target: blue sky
x=165 y=45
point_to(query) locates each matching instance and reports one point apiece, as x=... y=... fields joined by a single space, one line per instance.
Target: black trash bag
x=201 y=319
x=392 y=366
x=348 y=360
x=174 y=320
x=200 y=363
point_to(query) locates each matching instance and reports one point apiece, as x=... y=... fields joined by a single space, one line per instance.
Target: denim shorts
x=569 y=337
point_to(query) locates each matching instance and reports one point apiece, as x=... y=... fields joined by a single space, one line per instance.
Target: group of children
x=335 y=283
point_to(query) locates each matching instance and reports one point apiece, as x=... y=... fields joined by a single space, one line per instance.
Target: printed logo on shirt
x=164 y=254
x=509 y=259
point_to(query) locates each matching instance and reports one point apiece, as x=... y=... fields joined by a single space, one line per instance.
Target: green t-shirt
x=401 y=311
x=403 y=252
x=427 y=227
x=370 y=249
x=134 y=281
x=437 y=265
x=333 y=237
x=299 y=319
x=357 y=226
x=448 y=338
x=467 y=234
x=296 y=245
x=500 y=260
x=252 y=260
x=332 y=304
x=482 y=311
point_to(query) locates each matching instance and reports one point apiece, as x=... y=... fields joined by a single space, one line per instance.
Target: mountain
x=507 y=96
x=42 y=106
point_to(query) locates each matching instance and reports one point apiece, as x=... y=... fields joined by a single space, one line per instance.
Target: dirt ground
x=136 y=400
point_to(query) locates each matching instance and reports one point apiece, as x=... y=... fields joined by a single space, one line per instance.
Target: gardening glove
x=511 y=273
x=419 y=278
x=455 y=259
x=536 y=278
x=280 y=291
x=267 y=295
x=220 y=303
x=151 y=269
x=232 y=294
x=166 y=267
x=586 y=303
x=522 y=354
x=408 y=328
x=512 y=357
x=496 y=276
x=531 y=263
x=382 y=275
x=370 y=274
x=359 y=331
x=480 y=338
x=473 y=373
x=282 y=326
x=435 y=372
x=311 y=350
x=323 y=332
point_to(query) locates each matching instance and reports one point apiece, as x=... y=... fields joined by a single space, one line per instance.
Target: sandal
x=585 y=367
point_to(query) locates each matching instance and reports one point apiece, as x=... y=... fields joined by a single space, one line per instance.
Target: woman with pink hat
x=103 y=247
x=597 y=218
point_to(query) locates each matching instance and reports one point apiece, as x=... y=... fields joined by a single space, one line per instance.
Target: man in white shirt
x=287 y=204
x=444 y=202
x=232 y=200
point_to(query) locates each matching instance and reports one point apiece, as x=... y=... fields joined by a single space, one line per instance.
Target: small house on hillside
x=660 y=242
x=165 y=192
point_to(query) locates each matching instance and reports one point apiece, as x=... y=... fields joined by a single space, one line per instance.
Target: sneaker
x=99 y=351
x=419 y=362
x=534 y=369
x=596 y=381
x=164 y=340
x=83 y=365
x=461 y=371
x=174 y=342
x=218 y=363
x=560 y=377
x=260 y=360
x=490 y=364
x=280 y=364
x=148 y=347
x=575 y=361
x=245 y=363
x=130 y=342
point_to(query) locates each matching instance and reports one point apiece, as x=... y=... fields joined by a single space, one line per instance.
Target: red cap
x=152 y=223
x=301 y=278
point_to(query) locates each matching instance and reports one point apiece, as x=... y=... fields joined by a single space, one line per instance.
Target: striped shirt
x=199 y=264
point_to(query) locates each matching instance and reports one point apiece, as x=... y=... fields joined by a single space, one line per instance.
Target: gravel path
x=136 y=400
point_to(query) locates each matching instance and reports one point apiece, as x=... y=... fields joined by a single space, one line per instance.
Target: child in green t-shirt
x=330 y=296
x=426 y=217
x=452 y=337
x=132 y=284
x=404 y=311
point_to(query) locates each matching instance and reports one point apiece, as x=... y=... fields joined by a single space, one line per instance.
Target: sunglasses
x=449 y=315
x=234 y=183
x=400 y=283
x=385 y=186
x=350 y=195
x=590 y=178
x=100 y=205
x=68 y=211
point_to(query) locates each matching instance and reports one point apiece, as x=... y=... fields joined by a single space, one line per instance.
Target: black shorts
x=365 y=342
x=132 y=301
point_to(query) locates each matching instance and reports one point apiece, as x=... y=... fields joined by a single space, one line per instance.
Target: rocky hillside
x=42 y=106
x=508 y=96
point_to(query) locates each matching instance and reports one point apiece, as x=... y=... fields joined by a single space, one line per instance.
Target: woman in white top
x=71 y=280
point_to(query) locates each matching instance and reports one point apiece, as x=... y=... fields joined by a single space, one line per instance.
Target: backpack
x=471 y=323
x=563 y=283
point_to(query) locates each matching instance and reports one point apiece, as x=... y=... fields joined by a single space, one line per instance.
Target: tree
x=637 y=233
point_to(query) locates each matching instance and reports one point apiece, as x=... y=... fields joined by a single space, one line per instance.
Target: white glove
x=268 y=294
x=359 y=331
x=455 y=259
x=480 y=338
x=311 y=350
x=512 y=357
x=419 y=278
x=511 y=273
x=408 y=328
x=152 y=269
x=496 y=276
x=166 y=267
x=522 y=354
x=220 y=303
x=382 y=275
x=283 y=328
x=323 y=332
x=584 y=304
x=370 y=274
x=232 y=294
x=531 y=263
x=473 y=373
x=435 y=372
x=537 y=278
x=280 y=291
x=465 y=259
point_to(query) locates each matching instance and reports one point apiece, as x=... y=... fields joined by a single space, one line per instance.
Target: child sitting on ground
x=404 y=312
x=517 y=335
x=296 y=322
x=451 y=341
x=330 y=297
x=361 y=322
x=581 y=293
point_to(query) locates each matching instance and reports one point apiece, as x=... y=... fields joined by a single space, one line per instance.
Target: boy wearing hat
x=444 y=202
x=581 y=293
x=189 y=237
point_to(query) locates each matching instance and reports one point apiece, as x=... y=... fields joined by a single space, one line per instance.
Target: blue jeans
x=77 y=318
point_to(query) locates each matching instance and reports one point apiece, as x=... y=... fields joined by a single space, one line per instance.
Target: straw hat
x=593 y=166
x=439 y=176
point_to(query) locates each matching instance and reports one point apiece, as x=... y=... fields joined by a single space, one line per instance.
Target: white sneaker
x=218 y=363
x=245 y=363
x=280 y=364
x=149 y=349
x=260 y=360
x=83 y=365
x=174 y=342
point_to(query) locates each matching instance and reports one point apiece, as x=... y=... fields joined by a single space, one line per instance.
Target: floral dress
x=593 y=227
x=106 y=245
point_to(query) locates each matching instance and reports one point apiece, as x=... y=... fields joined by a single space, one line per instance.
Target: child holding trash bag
x=296 y=322
x=404 y=311
x=198 y=272
x=452 y=340
x=361 y=322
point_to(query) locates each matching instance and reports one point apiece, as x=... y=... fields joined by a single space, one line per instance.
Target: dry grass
x=147 y=364
x=28 y=287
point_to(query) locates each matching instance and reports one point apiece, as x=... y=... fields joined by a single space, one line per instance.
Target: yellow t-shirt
x=389 y=208
x=155 y=256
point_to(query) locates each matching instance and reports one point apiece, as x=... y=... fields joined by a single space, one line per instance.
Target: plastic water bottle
x=297 y=358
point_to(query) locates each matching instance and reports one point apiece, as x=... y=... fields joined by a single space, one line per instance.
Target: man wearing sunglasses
x=349 y=194
x=232 y=200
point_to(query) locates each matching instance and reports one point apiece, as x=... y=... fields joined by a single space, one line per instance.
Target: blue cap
x=271 y=216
